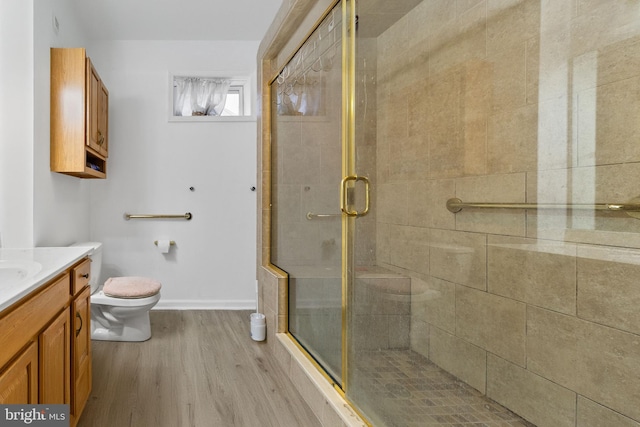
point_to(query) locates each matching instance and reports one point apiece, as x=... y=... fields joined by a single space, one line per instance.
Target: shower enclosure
x=454 y=199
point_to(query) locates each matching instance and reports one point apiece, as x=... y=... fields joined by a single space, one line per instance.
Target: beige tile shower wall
x=597 y=362
x=609 y=291
x=533 y=271
x=517 y=101
x=533 y=397
x=464 y=360
x=308 y=166
x=592 y=414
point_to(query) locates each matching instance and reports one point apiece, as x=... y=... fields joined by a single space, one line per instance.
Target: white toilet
x=122 y=314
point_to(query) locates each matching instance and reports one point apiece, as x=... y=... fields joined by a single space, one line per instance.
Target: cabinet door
x=19 y=381
x=93 y=136
x=81 y=354
x=55 y=361
x=103 y=120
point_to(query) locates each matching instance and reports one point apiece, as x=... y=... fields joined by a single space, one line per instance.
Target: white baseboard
x=164 y=304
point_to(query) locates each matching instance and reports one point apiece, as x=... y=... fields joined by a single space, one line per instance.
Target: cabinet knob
x=86 y=276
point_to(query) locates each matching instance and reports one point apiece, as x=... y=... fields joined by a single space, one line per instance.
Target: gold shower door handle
x=344 y=198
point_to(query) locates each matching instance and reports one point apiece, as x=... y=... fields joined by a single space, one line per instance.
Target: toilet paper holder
x=171 y=243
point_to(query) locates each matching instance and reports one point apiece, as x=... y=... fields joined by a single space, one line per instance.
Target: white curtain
x=196 y=96
x=303 y=98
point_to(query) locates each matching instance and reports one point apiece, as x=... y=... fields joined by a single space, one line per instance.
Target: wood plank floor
x=200 y=368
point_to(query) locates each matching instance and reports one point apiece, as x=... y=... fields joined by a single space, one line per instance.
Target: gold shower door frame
x=350 y=178
x=354 y=190
x=350 y=184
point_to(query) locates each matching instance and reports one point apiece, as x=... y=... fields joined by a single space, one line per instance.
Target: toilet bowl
x=119 y=318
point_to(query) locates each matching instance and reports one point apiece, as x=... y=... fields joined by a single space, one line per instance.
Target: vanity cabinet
x=80 y=339
x=19 y=381
x=45 y=344
x=22 y=326
x=55 y=361
x=79 y=115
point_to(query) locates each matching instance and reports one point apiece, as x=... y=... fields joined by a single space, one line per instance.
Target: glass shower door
x=306 y=219
x=495 y=279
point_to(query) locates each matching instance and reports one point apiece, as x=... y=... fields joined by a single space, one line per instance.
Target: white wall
x=61 y=202
x=153 y=162
x=16 y=123
x=37 y=207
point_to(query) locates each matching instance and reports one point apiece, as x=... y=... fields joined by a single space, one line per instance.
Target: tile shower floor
x=405 y=390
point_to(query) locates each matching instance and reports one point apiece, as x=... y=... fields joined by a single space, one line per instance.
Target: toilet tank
x=96 y=262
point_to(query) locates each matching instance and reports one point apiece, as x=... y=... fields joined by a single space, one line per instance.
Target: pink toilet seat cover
x=131 y=287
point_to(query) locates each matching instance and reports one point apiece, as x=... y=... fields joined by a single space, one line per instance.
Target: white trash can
x=258 y=327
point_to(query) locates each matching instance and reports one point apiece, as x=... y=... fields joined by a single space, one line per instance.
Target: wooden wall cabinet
x=79 y=115
x=43 y=358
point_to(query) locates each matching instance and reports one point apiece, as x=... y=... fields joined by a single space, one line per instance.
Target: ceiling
x=176 y=19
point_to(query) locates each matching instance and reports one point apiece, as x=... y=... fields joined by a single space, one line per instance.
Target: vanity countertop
x=24 y=270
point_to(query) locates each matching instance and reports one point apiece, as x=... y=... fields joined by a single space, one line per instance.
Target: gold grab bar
x=186 y=216
x=456 y=205
x=311 y=215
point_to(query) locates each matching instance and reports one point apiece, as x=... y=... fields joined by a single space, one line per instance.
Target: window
x=234 y=105
x=196 y=98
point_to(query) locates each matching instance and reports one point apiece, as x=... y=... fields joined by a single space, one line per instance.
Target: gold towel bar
x=311 y=215
x=186 y=216
x=632 y=208
x=171 y=243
